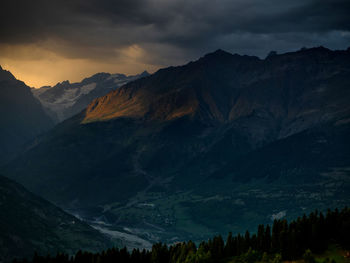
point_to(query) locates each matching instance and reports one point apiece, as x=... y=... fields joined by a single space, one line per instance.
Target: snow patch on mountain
x=86 y=89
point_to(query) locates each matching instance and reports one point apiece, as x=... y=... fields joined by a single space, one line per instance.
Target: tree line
x=282 y=241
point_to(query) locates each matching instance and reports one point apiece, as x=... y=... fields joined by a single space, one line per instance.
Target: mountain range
x=66 y=99
x=219 y=144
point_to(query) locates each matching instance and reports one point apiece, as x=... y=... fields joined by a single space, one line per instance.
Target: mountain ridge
x=135 y=102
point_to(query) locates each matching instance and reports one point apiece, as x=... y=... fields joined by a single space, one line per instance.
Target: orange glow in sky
x=38 y=66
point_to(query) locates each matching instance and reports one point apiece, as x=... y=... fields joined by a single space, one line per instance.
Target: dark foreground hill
x=219 y=144
x=30 y=224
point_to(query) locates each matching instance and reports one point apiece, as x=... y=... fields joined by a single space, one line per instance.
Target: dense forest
x=282 y=241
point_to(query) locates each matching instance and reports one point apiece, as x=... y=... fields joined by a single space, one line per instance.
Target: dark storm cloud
x=169 y=29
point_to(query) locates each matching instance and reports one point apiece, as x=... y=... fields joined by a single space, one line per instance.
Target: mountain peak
x=63 y=83
x=223 y=56
x=96 y=77
x=219 y=53
x=272 y=53
x=6 y=75
x=320 y=49
x=145 y=73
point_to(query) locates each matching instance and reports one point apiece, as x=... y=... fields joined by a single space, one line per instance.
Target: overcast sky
x=46 y=41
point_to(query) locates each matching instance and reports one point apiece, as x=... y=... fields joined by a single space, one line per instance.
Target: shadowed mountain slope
x=22 y=117
x=30 y=224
